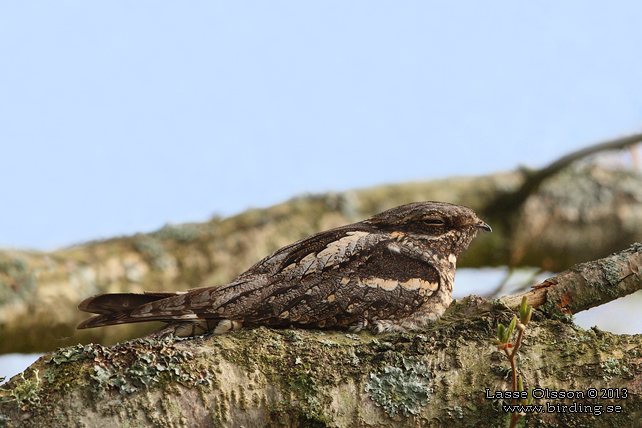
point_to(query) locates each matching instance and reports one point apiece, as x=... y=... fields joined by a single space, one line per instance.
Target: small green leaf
x=500 y=332
x=509 y=331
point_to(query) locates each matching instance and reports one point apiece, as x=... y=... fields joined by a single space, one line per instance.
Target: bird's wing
x=199 y=303
x=373 y=283
x=334 y=278
x=356 y=275
x=280 y=277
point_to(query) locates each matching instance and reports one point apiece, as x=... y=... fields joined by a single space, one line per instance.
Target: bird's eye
x=434 y=221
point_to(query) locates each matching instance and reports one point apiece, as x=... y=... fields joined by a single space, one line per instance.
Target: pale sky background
x=118 y=117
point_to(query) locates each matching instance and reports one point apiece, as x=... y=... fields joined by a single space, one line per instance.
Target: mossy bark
x=581 y=214
x=262 y=377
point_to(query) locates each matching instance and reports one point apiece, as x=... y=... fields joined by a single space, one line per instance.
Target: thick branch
x=263 y=377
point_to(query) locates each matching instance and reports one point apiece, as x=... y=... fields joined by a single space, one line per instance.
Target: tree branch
x=505 y=205
x=586 y=285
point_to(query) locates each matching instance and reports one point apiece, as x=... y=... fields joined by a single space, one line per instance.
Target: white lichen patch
x=401 y=389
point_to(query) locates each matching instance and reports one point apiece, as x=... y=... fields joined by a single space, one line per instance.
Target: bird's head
x=450 y=227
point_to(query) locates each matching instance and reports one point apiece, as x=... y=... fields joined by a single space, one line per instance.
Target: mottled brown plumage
x=393 y=271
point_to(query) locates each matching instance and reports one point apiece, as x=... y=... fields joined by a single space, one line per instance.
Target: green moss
x=290 y=359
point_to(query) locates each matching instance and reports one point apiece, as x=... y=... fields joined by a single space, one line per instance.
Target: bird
x=391 y=272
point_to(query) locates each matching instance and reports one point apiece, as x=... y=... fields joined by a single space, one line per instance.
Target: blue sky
x=117 y=117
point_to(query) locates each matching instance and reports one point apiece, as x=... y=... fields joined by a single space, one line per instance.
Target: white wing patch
x=412 y=284
x=335 y=253
x=425 y=287
x=386 y=284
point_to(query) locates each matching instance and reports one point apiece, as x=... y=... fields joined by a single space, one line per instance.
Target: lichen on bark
x=266 y=377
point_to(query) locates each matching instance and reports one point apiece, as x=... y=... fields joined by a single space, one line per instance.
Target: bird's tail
x=117 y=308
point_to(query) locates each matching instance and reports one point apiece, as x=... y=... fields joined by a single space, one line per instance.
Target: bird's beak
x=484 y=226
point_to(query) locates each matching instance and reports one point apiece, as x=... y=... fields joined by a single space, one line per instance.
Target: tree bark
x=586 y=285
x=440 y=376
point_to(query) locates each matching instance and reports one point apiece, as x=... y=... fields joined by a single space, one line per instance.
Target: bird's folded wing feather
x=336 y=275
